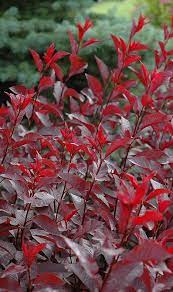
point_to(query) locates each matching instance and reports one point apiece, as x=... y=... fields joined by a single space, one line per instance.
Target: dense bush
x=86 y=181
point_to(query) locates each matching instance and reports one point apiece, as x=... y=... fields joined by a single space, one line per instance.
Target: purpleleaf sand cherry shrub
x=86 y=179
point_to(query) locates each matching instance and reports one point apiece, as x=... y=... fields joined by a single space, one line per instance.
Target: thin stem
x=113 y=262
x=125 y=235
x=63 y=192
x=12 y=132
x=89 y=191
x=29 y=280
x=36 y=94
x=58 y=206
x=115 y=207
x=137 y=125
x=26 y=217
x=132 y=229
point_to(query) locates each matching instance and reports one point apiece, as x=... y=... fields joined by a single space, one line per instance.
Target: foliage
x=159 y=10
x=58 y=9
x=36 y=27
x=86 y=196
x=18 y=34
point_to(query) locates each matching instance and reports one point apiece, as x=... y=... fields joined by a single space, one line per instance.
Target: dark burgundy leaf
x=90 y=282
x=104 y=71
x=46 y=223
x=115 y=145
x=121 y=276
x=8 y=284
x=149 y=250
x=152 y=119
x=75 y=181
x=85 y=259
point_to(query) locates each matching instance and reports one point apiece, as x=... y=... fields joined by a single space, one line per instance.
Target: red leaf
x=142 y=189
x=30 y=252
x=140 y=193
x=70 y=215
x=157 y=81
x=95 y=86
x=48 y=279
x=122 y=276
x=165 y=281
x=116 y=41
x=101 y=136
x=82 y=29
x=137 y=46
x=37 y=60
x=120 y=46
x=149 y=216
x=163 y=50
x=58 y=72
x=47 y=172
x=25 y=102
x=71 y=92
x=166 y=235
x=146 y=100
x=76 y=182
x=139 y=25
x=57 y=56
x=164 y=205
x=45 y=83
x=74 y=45
x=132 y=179
x=152 y=154
x=49 y=52
x=5 y=227
x=149 y=250
x=90 y=42
x=104 y=71
x=122 y=142
x=153 y=119
x=111 y=109
x=143 y=75
x=10 y=285
x=78 y=65
x=156 y=193
x=4 y=111
x=131 y=59
x=127 y=94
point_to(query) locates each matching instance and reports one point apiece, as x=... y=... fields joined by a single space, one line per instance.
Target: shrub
x=21 y=30
x=30 y=24
x=86 y=180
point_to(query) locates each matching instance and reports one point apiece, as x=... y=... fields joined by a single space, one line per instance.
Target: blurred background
x=35 y=24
